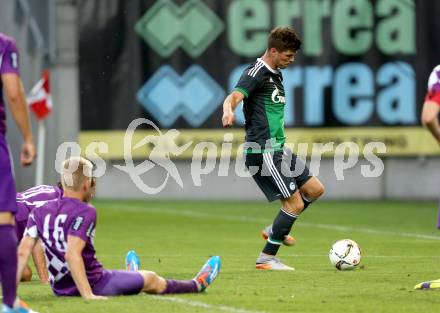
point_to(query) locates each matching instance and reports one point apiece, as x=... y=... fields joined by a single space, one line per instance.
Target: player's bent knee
x=27 y=274
x=319 y=191
x=314 y=190
x=300 y=206
x=153 y=283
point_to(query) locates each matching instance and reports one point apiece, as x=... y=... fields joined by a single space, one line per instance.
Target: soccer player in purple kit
x=67 y=228
x=12 y=86
x=27 y=201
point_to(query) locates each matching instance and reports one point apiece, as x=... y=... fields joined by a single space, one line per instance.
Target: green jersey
x=263 y=107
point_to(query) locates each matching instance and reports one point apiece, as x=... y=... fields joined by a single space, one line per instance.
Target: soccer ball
x=345 y=254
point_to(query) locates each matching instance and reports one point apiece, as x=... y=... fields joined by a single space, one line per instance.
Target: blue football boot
x=6 y=309
x=208 y=272
x=22 y=307
x=132 y=261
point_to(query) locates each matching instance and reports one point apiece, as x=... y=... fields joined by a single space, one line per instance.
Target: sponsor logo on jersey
x=14 y=60
x=276 y=98
x=90 y=230
x=78 y=222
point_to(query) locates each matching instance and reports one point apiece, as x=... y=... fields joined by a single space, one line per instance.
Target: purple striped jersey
x=53 y=223
x=35 y=197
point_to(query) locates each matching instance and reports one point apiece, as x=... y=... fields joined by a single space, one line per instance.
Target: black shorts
x=278 y=174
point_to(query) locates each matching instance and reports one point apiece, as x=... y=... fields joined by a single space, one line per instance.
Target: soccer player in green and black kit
x=261 y=89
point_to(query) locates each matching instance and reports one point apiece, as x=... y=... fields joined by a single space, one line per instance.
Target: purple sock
x=8 y=263
x=180 y=286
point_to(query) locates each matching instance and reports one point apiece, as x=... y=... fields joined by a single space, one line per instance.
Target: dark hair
x=283 y=38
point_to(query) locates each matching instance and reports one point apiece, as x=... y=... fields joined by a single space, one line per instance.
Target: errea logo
x=276 y=98
x=167 y=26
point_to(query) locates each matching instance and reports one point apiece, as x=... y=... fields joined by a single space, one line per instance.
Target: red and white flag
x=39 y=99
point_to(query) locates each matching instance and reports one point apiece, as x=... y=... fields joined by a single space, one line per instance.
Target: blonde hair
x=75 y=170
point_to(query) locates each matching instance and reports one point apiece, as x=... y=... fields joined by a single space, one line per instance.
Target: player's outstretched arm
x=229 y=105
x=430 y=113
x=40 y=262
x=75 y=246
x=24 y=251
x=15 y=94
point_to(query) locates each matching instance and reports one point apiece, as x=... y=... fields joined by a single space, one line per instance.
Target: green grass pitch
x=399 y=241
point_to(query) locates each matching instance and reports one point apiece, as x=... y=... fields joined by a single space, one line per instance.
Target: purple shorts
x=7 y=183
x=118 y=283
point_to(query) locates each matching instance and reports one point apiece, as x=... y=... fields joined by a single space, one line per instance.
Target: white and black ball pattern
x=345 y=254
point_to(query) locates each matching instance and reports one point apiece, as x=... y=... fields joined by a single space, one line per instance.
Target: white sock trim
x=289 y=213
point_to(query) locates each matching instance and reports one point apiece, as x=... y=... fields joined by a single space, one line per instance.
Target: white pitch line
x=369 y=256
x=206 y=305
x=370 y=231
x=196 y=214
x=110 y=255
